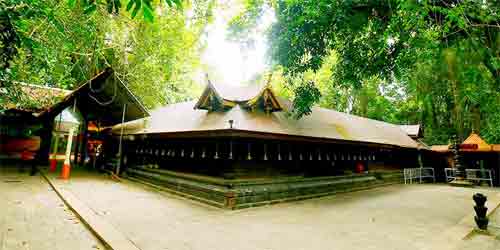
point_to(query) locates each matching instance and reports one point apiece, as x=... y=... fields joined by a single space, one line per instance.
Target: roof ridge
x=476 y=138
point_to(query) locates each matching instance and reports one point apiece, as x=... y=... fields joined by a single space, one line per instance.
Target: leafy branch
x=114 y=6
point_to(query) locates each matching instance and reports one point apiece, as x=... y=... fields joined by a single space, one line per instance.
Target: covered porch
x=98 y=104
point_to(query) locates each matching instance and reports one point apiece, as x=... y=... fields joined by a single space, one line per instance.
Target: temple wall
x=242 y=172
x=266 y=169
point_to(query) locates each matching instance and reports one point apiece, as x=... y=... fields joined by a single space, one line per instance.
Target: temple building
x=39 y=119
x=238 y=147
x=475 y=154
x=23 y=123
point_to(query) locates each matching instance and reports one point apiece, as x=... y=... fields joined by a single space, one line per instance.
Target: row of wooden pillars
x=251 y=151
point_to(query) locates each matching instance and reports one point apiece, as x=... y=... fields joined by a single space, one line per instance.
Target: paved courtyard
x=33 y=217
x=394 y=217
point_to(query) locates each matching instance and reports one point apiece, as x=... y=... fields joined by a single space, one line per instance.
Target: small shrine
x=473 y=153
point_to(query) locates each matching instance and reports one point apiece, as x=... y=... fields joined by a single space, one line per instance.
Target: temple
x=237 y=147
x=475 y=154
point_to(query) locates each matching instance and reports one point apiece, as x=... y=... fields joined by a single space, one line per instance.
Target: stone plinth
x=243 y=193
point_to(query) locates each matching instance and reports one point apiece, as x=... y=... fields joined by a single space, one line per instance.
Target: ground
x=393 y=217
x=33 y=217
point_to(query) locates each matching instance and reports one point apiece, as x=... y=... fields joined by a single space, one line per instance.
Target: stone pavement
x=394 y=217
x=487 y=242
x=33 y=217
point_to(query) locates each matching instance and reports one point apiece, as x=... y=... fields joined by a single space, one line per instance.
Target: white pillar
x=66 y=166
x=67 y=156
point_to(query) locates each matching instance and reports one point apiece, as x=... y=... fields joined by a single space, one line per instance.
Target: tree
x=133 y=6
x=440 y=56
x=159 y=59
x=63 y=46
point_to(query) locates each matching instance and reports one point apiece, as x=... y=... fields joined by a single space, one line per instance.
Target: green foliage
x=62 y=46
x=429 y=62
x=159 y=59
x=114 y=6
x=8 y=36
x=57 y=48
x=245 y=21
x=305 y=96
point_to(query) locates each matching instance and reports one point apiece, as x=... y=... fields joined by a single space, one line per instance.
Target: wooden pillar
x=265 y=152
x=53 y=160
x=45 y=141
x=279 y=152
x=249 y=148
x=83 y=147
x=77 y=141
x=216 y=154
x=120 y=149
x=76 y=146
x=497 y=170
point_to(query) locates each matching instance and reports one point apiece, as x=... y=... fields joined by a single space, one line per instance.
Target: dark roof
x=321 y=124
x=102 y=98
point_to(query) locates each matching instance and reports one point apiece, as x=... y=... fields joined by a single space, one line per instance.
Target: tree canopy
x=431 y=62
x=64 y=43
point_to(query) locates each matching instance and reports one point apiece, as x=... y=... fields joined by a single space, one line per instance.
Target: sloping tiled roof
x=476 y=139
x=33 y=98
x=473 y=139
x=322 y=123
x=103 y=98
x=440 y=148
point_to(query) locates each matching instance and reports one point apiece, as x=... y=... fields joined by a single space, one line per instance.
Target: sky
x=225 y=59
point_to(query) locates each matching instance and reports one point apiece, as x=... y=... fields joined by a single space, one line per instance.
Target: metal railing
x=475 y=175
x=450 y=174
x=418 y=174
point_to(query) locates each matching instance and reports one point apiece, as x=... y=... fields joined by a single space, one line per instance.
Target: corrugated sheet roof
x=322 y=123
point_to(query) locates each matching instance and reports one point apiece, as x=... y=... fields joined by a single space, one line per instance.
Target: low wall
x=240 y=193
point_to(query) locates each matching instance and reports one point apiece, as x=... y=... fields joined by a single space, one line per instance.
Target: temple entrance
x=65 y=138
x=97 y=105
